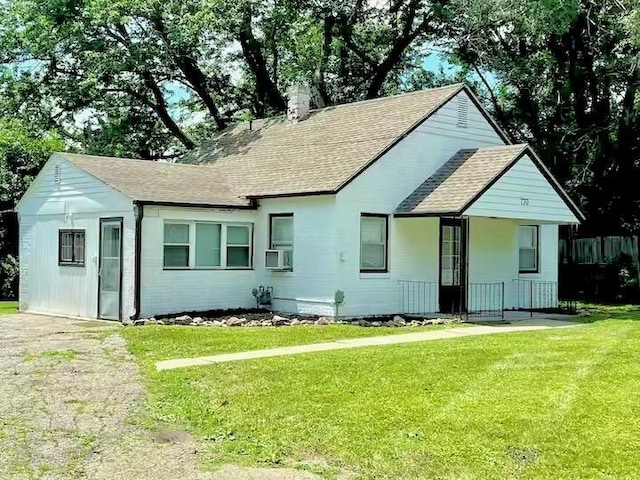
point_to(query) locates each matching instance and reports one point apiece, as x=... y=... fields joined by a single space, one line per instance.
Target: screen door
x=110 y=278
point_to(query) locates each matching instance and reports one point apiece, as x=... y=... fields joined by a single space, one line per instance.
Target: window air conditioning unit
x=274 y=260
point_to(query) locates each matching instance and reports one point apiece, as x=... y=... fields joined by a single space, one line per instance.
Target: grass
x=544 y=404
x=152 y=343
x=59 y=355
x=8 y=307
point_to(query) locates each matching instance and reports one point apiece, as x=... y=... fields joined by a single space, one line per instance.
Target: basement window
x=71 y=247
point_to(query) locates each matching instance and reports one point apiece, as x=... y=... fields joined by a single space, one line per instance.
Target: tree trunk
x=268 y=93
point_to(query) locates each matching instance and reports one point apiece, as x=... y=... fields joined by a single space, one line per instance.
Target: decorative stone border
x=280 y=321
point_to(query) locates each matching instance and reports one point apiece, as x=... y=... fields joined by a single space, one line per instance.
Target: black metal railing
x=418 y=298
x=481 y=299
x=541 y=296
x=486 y=299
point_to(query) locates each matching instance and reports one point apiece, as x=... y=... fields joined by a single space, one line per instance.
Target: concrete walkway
x=520 y=326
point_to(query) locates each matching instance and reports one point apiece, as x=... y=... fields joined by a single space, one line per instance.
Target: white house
x=415 y=203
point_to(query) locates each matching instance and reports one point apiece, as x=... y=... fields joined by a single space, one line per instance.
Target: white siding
x=413 y=243
x=78 y=201
x=493 y=262
x=311 y=286
x=523 y=193
x=172 y=291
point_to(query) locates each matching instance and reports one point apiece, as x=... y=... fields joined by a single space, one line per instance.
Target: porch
x=488 y=300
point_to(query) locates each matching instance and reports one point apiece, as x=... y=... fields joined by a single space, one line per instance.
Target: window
x=282 y=236
x=206 y=245
x=373 y=243
x=528 y=251
x=176 y=245
x=71 y=247
x=238 y=246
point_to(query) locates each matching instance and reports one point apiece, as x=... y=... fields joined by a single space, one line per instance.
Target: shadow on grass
x=591 y=312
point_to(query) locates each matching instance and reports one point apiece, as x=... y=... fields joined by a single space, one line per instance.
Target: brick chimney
x=298 y=105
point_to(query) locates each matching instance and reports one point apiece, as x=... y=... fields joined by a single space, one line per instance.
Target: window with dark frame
x=281 y=236
x=374 y=230
x=71 y=247
x=528 y=248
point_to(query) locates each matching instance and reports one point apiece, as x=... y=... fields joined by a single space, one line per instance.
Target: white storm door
x=110 y=277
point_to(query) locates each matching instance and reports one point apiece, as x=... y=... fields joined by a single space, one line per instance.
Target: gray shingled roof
x=460 y=180
x=273 y=157
x=148 y=181
x=320 y=153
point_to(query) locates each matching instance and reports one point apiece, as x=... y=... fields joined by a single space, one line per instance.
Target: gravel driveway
x=69 y=396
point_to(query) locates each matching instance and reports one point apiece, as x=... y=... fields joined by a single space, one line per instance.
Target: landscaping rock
x=127 y=322
x=398 y=321
x=389 y=323
x=208 y=323
x=169 y=321
x=183 y=320
x=277 y=320
x=216 y=323
x=306 y=322
x=322 y=321
x=140 y=322
x=294 y=321
x=236 y=322
x=160 y=322
x=267 y=323
x=197 y=320
x=375 y=323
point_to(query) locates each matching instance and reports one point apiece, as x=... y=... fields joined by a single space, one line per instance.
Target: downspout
x=139 y=213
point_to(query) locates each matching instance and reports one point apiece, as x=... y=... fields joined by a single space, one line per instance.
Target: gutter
x=138 y=260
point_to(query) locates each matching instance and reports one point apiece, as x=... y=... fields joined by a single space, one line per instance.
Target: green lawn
x=7 y=307
x=545 y=404
x=152 y=343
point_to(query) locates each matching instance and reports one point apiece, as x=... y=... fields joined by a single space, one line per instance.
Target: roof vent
x=57 y=173
x=298 y=106
x=463 y=112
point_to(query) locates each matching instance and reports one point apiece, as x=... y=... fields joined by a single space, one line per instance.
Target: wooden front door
x=453 y=265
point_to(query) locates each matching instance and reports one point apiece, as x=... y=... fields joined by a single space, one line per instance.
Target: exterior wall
x=494 y=258
x=413 y=243
x=544 y=286
x=310 y=287
x=78 y=201
x=523 y=193
x=173 y=291
x=493 y=263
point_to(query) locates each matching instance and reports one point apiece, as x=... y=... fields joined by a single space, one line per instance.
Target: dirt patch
x=65 y=416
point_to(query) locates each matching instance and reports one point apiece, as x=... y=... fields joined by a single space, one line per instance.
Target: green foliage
x=564 y=76
x=22 y=153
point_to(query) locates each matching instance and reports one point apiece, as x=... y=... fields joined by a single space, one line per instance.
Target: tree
x=22 y=154
x=563 y=76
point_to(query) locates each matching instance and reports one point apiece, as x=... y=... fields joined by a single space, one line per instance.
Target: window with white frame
x=373 y=243
x=282 y=236
x=528 y=248
x=207 y=245
x=71 y=247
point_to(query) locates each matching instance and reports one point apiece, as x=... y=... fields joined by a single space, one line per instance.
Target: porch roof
x=466 y=176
